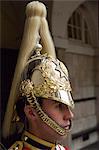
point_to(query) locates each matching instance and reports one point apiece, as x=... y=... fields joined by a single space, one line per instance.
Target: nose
x=68 y=114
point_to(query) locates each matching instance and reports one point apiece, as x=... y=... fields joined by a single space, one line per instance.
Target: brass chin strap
x=26 y=89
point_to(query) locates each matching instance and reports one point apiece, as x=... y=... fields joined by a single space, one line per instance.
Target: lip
x=68 y=126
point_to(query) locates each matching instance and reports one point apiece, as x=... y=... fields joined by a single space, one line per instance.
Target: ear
x=29 y=112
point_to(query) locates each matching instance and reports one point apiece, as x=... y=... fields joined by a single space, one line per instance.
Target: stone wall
x=82 y=76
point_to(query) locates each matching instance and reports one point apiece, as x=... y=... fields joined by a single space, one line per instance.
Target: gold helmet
x=36 y=74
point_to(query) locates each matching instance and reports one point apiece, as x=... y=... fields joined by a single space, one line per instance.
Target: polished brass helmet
x=38 y=74
x=49 y=79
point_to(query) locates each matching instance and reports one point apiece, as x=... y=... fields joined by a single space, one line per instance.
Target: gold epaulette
x=18 y=145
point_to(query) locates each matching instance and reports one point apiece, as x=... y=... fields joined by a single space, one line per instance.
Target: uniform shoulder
x=18 y=145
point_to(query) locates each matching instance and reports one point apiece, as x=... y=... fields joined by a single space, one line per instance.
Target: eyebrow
x=55 y=102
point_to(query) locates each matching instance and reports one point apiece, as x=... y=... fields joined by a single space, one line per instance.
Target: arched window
x=78 y=28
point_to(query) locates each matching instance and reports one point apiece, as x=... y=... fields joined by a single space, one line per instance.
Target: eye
x=60 y=106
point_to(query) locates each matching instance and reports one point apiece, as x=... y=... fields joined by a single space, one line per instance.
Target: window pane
x=79 y=34
x=89 y=41
x=85 y=25
x=74 y=19
x=78 y=18
x=75 y=33
x=69 y=31
x=86 y=36
x=70 y=21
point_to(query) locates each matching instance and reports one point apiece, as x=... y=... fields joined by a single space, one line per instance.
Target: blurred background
x=74 y=28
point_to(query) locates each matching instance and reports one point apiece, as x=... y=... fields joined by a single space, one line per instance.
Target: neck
x=47 y=136
x=42 y=136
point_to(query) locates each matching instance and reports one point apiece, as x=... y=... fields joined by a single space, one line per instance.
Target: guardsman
x=40 y=102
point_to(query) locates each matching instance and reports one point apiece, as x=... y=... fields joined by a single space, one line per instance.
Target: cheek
x=55 y=115
x=53 y=112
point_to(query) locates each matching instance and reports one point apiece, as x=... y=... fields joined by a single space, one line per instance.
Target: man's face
x=60 y=113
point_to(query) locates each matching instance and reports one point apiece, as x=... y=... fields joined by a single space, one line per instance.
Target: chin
x=62 y=136
x=59 y=137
